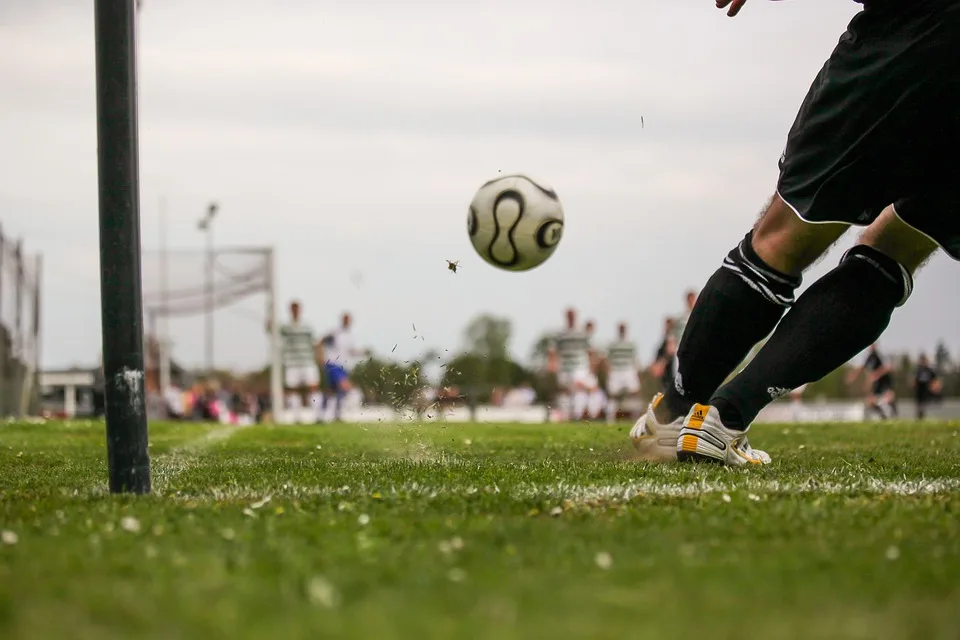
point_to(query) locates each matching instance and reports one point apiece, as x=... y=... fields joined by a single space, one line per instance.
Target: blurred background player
x=796 y=402
x=926 y=386
x=339 y=356
x=663 y=367
x=690 y=300
x=569 y=357
x=301 y=374
x=596 y=398
x=623 y=379
x=881 y=396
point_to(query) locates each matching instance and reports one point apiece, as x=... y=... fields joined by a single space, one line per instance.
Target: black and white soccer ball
x=515 y=223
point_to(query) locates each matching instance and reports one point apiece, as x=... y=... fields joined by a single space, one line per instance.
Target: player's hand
x=734 y=6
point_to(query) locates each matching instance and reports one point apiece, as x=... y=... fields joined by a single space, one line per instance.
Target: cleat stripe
x=689 y=443
x=699 y=415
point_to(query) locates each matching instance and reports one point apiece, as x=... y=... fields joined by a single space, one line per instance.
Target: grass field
x=433 y=531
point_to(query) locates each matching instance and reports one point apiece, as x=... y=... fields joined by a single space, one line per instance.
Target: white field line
x=168 y=466
x=754 y=488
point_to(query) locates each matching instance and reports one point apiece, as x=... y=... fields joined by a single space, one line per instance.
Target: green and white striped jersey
x=573 y=349
x=297 y=345
x=622 y=356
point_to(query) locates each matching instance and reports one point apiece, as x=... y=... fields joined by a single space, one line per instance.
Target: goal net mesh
x=180 y=289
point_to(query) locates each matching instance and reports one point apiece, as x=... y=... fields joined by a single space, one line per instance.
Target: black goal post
x=121 y=305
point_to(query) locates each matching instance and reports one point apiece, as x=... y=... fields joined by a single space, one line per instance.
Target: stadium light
x=121 y=304
x=206 y=226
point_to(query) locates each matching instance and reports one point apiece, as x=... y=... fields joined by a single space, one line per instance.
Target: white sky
x=351 y=136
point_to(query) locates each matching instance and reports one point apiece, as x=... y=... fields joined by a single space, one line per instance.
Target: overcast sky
x=351 y=136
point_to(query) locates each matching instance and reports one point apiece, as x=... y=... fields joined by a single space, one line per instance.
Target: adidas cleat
x=703 y=438
x=656 y=442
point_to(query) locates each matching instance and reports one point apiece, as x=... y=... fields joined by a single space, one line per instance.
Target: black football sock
x=839 y=316
x=739 y=306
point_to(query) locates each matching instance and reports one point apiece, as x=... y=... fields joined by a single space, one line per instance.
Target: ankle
x=730 y=416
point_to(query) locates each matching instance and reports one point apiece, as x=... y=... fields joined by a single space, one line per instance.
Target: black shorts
x=882 y=386
x=881 y=124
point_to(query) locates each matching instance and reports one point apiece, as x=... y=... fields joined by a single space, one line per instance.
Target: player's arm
x=318 y=348
x=853 y=374
x=936 y=386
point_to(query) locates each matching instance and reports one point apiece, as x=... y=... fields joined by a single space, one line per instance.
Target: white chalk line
x=168 y=466
x=575 y=493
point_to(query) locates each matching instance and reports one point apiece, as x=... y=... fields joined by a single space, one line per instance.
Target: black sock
x=839 y=316
x=739 y=306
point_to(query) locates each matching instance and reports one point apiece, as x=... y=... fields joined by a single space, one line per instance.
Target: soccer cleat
x=656 y=442
x=703 y=438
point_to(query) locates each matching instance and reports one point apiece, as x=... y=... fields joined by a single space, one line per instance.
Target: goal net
x=209 y=312
x=20 y=297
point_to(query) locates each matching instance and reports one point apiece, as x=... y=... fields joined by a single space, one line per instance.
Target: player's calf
x=739 y=306
x=839 y=316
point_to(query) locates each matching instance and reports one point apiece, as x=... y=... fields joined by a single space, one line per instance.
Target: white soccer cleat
x=656 y=442
x=703 y=438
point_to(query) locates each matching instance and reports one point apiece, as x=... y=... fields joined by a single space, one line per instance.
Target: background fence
x=20 y=291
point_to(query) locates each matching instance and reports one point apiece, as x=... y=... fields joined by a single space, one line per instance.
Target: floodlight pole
x=206 y=225
x=121 y=304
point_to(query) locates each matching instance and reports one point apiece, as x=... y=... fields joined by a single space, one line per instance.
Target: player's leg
x=890 y=401
x=633 y=390
x=581 y=395
x=291 y=387
x=871 y=130
x=564 y=396
x=921 y=402
x=615 y=395
x=873 y=405
x=329 y=391
x=311 y=380
x=595 y=397
x=742 y=302
x=839 y=316
x=341 y=388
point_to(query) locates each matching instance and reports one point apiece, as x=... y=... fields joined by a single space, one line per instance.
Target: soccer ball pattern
x=515 y=223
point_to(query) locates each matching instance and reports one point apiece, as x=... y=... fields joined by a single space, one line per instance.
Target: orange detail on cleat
x=699 y=415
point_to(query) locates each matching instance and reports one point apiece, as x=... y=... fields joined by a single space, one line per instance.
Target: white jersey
x=622 y=356
x=573 y=349
x=297 y=345
x=340 y=348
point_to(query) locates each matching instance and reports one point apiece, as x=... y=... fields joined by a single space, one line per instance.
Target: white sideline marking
x=588 y=493
x=168 y=466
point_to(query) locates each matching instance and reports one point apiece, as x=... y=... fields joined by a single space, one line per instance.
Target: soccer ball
x=515 y=223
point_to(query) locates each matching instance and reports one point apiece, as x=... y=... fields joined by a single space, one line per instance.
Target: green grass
x=433 y=531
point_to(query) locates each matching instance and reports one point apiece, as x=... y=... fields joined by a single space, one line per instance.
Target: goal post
x=182 y=287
